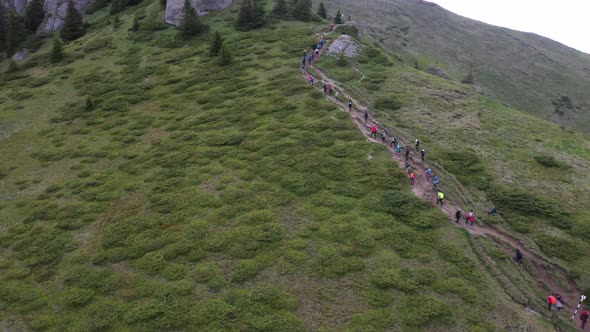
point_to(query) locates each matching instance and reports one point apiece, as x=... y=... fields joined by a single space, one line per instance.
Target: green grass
x=148 y=188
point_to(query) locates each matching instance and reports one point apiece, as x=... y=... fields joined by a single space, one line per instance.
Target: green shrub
x=77 y=296
x=392 y=278
x=549 y=161
x=387 y=103
x=245 y=270
x=568 y=250
x=423 y=310
x=329 y=263
x=516 y=200
x=151 y=263
x=373 y=320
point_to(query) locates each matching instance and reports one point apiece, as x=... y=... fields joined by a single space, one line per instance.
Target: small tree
x=15 y=32
x=216 y=43
x=302 y=10
x=73 y=26
x=163 y=4
x=342 y=59
x=57 y=50
x=116 y=22
x=12 y=67
x=338 y=18
x=225 y=57
x=117 y=6
x=281 y=9
x=190 y=25
x=251 y=15
x=135 y=25
x=322 y=12
x=34 y=15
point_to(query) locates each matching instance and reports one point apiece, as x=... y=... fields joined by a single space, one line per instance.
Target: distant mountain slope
x=523 y=70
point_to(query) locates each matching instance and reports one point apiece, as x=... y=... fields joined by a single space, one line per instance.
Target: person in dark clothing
x=417 y=144
x=584 y=318
x=350 y=105
x=366 y=115
x=407 y=152
x=325 y=88
x=422 y=154
x=560 y=299
x=457 y=216
x=393 y=142
x=519 y=256
x=493 y=211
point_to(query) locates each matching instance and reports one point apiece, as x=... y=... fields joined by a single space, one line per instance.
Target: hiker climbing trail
x=422 y=186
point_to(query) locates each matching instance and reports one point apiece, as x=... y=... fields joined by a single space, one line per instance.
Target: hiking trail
x=423 y=188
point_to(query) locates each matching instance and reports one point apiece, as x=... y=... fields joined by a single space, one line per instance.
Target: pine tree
x=135 y=25
x=12 y=67
x=322 y=12
x=225 y=57
x=15 y=32
x=302 y=10
x=338 y=18
x=57 y=50
x=190 y=25
x=281 y=9
x=116 y=22
x=2 y=30
x=163 y=4
x=251 y=15
x=341 y=59
x=34 y=15
x=73 y=26
x=216 y=43
x=118 y=6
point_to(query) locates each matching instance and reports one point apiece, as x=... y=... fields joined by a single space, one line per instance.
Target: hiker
x=472 y=219
x=305 y=53
x=366 y=115
x=349 y=17
x=317 y=51
x=350 y=105
x=417 y=144
x=559 y=305
x=407 y=152
x=551 y=301
x=457 y=216
x=407 y=166
x=374 y=132
x=412 y=177
x=422 y=154
x=560 y=300
x=471 y=213
x=310 y=79
x=584 y=318
x=493 y=211
x=325 y=88
x=435 y=181
x=428 y=173
x=519 y=256
x=383 y=136
x=330 y=89
x=303 y=64
x=439 y=198
x=399 y=148
x=393 y=142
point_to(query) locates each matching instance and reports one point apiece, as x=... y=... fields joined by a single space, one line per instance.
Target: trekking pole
x=582 y=298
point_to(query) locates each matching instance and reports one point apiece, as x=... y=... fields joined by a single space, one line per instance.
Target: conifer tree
x=135 y=25
x=338 y=18
x=281 y=9
x=34 y=15
x=15 y=32
x=2 y=30
x=190 y=25
x=225 y=57
x=12 y=66
x=302 y=10
x=251 y=15
x=73 y=26
x=117 y=6
x=216 y=43
x=57 y=50
x=322 y=12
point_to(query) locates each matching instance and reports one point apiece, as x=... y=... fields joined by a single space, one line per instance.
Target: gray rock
x=21 y=55
x=174 y=8
x=437 y=72
x=56 y=12
x=344 y=44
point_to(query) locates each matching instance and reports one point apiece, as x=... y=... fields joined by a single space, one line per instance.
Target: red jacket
x=374 y=129
x=551 y=300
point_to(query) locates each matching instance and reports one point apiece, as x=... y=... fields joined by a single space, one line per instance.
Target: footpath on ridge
x=424 y=189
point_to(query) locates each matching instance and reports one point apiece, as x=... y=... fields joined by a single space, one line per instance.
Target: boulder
x=174 y=8
x=344 y=44
x=432 y=70
x=55 y=12
x=21 y=55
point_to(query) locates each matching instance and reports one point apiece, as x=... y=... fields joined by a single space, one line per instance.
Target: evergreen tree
x=73 y=26
x=12 y=67
x=225 y=57
x=2 y=30
x=216 y=43
x=57 y=50
x=190 y=25
x=322 y=12
x=338 y=18
x=251 y=15
x=302 y=10
x=341 y=59
x=34 y=15
x=15 y=32
x=281 y=9
x=116 y=22
x=135 y=25
x=163 y=4
x=118 y=6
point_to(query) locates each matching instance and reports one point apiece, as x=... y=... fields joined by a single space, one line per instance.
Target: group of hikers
x=557 y=301
x=314 y=53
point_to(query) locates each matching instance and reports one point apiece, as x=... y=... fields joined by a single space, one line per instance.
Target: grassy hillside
x=146 y=187
x=525 y=71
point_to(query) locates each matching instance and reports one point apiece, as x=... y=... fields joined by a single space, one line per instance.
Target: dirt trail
x=425 y=189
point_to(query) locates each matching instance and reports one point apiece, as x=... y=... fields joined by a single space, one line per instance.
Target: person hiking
x=309 y=59
x=551 y=301
x=428 y=173
x=471 y=213
x=305 y=53
x=560 y=299
x=422 y=154
x=374 y=132
x=383 y=136
x=493 y=211
x=310 y=79
x=393 y=142
x=407 y=152
x=559 y=305
x=472 y=219
x=407 y=167
x=412 y=177
x=435 y=181
x=350 y=105
x=330 y=89
x=399 y=148
x=519 y=256
x=325 y=88
x=457 y=216
x=584 y=318
x=366 y=115
x=440 y=198
x=417 y=144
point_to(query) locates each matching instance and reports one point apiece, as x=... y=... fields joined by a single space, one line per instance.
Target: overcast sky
x=566 y=21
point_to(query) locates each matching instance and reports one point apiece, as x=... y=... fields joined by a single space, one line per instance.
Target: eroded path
x=424 y=189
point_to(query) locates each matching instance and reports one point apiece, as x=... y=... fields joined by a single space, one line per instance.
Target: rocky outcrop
x=344 y=44
x=55 y=12
x=433 y=70
x=174 y=8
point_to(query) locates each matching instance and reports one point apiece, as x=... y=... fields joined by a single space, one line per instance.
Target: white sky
x=566 y=21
